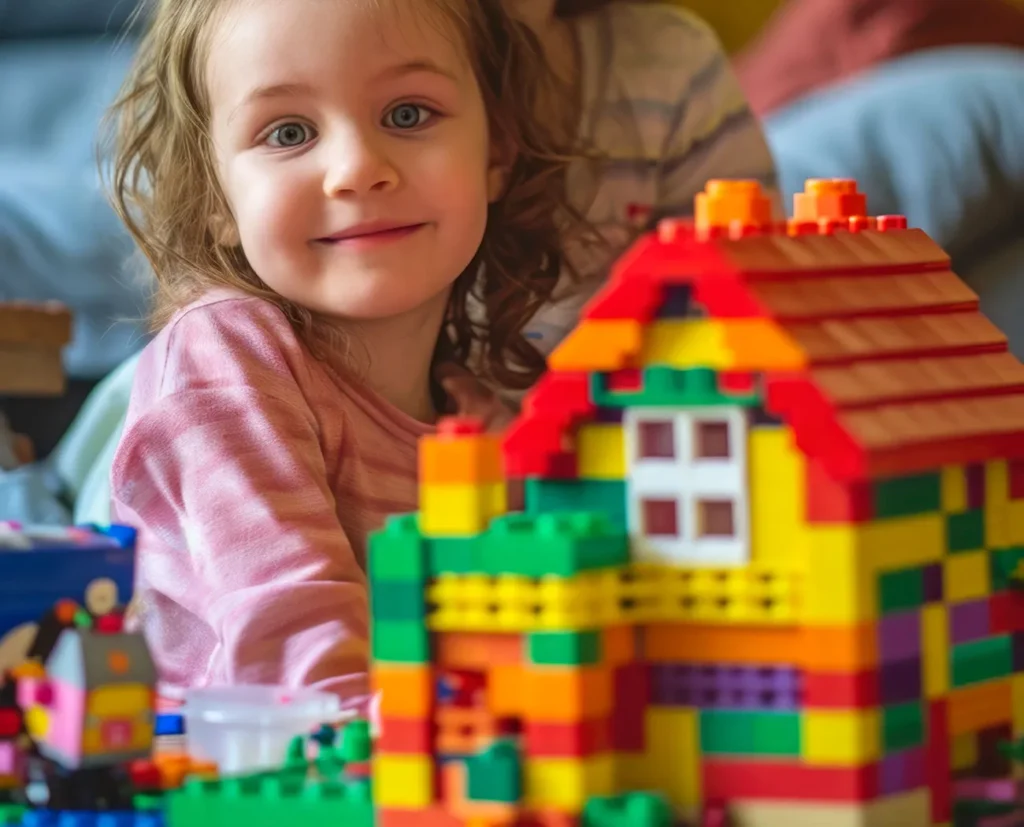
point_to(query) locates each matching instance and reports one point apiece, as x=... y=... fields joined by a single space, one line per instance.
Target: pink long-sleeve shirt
x=253 y=473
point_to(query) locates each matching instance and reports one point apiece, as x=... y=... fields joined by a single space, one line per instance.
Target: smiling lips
x=371 y=234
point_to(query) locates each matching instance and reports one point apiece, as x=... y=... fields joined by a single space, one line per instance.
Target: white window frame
x=689 y=480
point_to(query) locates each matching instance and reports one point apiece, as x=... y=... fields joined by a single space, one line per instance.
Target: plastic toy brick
x=578 y=495
x=763 y=688
x=599 y=344
x=400 y=641
x=496 y=774
x=169 y=723
x=460 y=509
x=11 y=815
x=558 y=545
x=269 y=800
x=401 y=600
x=564 y=648
x=629 y=810
x=591 y=736
x=405 y=690
x=982 y=660
x=667 y=387
x=459 y=453
x=398 y=551
x=901 y=681
x=739 y=733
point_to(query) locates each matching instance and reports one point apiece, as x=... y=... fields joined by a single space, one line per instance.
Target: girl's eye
x=407 y=116
x=289 y=135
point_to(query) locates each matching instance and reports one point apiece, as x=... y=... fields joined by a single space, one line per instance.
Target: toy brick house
x=774 y=510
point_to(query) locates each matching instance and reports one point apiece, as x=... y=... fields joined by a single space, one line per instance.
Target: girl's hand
x=473 y=398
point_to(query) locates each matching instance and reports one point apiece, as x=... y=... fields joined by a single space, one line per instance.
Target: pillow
x=935 y=136
x=810 y=44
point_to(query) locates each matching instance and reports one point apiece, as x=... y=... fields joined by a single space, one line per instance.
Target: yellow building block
x=904 y=542
x=686 y=343
x=911 y=809
x=403 y=781
x=633 y=771
x=966 y=576
x=997 y=499
x=935 y=650
x=673 y=749
x=843 y=738
x=839 y=582
x=963 y=751
x=1015 y=523
x=457 y=510
x=1017 y=698
x=567 y=783
x=778 y=496
x=601 y=452
x=954 y=489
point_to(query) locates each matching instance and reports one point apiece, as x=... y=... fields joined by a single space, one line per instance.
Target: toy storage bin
x=247 y=728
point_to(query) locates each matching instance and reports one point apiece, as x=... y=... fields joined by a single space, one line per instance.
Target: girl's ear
x=500 y=165
x=224 y=231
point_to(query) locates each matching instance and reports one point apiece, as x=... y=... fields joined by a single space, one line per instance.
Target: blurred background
x=922 y=101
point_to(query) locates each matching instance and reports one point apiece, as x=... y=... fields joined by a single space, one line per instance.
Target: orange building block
x=477 y=651
x=567 y=694
x=839 y=648
x=464 y=730
x=447 y=459
x=405 y=691
x=599 y=344
x=618 y=645
x=974 y=708
x=505 y=691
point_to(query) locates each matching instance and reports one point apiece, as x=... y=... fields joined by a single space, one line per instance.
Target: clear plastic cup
x=248 y=728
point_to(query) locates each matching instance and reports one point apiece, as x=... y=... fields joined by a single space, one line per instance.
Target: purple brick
x=969 y=621
x=899 y=636
x=902 y=771
x=725 y=687
x=975 y=486
x=900 y=682
x=933 y=583
x=609 y=416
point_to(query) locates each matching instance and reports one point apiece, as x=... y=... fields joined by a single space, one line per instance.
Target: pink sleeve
x=233 y=470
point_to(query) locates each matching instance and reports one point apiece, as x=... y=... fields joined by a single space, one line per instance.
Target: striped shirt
x=664 y=113
x=253 y=473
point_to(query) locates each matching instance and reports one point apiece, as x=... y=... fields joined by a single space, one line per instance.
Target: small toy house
x=94 y=707
x=774 y=504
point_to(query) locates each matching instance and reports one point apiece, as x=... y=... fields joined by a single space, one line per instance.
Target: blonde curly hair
x=166 y=190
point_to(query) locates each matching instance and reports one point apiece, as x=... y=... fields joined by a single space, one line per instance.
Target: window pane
x=661 y=518
x=712 y=440
x=657 y=440
x=715 y=518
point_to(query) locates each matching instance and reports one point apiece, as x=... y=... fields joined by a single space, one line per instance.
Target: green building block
x=454 y=555
x=496 y=774
x=900 y=590
x=11 y=814
x=1002 y=564
x=981 y=660
x=740 y=732
x=356 y=744
x=564 y=648
x=638 y=809
x=903 y=496
x=269 y=800
x=398 y=600
x=559 y=545
x=965 y=532
x=664 y=387
x=398 y=551
x=606 y=496
x=400 y=641
x=902 y=726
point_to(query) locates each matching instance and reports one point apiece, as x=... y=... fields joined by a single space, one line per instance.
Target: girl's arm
x=240 y=538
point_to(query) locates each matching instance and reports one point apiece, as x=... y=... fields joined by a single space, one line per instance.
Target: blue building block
x=169 y=723
x=67 y=818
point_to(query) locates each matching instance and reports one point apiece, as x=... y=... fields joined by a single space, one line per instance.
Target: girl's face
x=352 y=145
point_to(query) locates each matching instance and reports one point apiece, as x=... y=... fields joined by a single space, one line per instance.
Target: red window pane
x=661 y=518
x=712 y=440
x=657 y=440
x=715 y=518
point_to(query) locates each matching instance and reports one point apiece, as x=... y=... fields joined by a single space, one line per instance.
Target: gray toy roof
x=82 y=658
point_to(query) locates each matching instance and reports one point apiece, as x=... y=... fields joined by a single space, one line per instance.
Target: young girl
x=317 y=185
